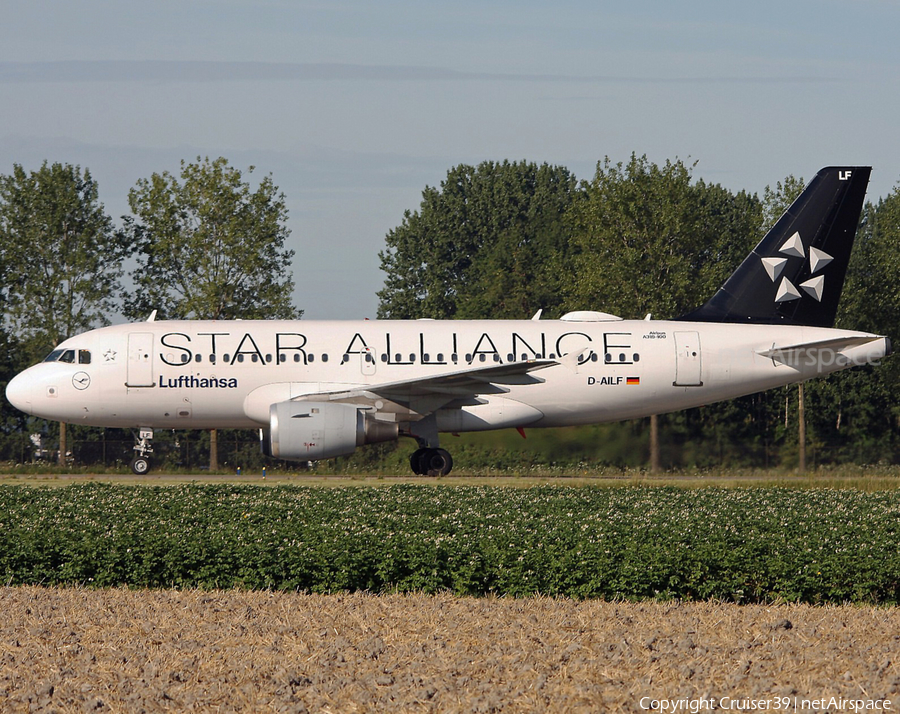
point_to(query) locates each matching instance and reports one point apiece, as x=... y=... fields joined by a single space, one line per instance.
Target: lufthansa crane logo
x=81 y=380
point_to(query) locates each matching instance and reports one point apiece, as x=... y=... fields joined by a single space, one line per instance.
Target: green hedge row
x=632 y=542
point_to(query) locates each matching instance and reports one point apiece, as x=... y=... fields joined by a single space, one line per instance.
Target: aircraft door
x=687 y=360
x=140 y=360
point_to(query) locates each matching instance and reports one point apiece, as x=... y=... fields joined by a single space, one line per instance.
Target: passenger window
x=84 y=357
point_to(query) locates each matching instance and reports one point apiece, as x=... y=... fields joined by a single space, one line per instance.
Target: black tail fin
x=796 y=273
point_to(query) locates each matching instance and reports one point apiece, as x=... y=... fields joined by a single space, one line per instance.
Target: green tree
x=777 y=200
x=649 y=239
x=857 y=415
x=210 y=248
x=13 y=423
x=64 y=254
x=487 y=243
x=872 y=298
x=67 y=255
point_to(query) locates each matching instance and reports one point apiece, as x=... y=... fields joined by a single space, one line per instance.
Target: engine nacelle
x=307 y=431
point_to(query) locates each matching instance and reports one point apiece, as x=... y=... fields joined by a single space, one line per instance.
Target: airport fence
x=175 y=450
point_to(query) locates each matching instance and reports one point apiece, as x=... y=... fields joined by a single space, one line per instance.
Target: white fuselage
x=200 y=374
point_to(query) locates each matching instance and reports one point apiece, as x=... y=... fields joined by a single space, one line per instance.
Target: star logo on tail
x=774 y=266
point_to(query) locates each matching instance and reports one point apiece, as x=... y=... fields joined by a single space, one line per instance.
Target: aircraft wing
x=424 y=395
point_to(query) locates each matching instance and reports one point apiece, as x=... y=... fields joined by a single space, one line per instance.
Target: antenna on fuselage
x=152 y=317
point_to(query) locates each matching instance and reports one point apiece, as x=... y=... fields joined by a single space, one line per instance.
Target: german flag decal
x=633 y=380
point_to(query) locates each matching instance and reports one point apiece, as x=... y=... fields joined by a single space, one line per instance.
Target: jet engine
x=307 y=431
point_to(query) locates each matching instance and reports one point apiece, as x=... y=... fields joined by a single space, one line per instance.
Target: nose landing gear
x=140 y=464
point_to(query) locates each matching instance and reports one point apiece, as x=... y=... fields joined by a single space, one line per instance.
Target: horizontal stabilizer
x=824 y=352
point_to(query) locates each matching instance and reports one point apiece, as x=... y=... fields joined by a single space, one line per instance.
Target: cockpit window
x=68 y=356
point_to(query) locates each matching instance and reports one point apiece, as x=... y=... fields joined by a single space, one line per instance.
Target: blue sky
x=354 y=107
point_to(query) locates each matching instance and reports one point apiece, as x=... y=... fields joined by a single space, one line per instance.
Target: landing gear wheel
x=440 y=462
x=431 y=462
x=416 y=462
x=140 y=465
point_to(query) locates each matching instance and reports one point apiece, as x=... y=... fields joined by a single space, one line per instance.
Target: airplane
x=321 y=389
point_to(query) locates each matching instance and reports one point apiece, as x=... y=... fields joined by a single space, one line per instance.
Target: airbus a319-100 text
x=320 y=389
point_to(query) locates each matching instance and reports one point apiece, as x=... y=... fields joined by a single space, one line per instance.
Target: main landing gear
x=431 y=462
x=140 y=464
x=428 y=459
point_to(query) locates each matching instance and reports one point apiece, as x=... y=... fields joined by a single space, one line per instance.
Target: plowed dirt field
x=77 y=650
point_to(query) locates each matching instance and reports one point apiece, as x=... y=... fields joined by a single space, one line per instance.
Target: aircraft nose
x=19 y=392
